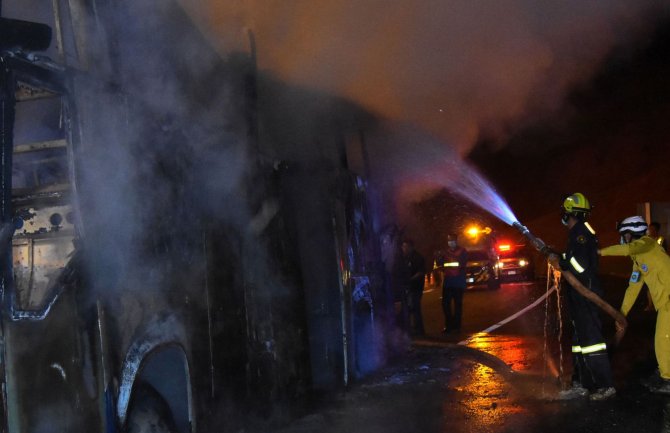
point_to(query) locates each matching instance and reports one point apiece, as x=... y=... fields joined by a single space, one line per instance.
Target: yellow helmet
x=577 y=204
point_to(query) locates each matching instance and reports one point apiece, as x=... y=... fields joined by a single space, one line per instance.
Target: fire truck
x=181 y=252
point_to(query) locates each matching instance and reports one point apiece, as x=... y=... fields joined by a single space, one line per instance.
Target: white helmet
x=636 y=225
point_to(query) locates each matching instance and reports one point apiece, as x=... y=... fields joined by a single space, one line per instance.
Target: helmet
x=636 y=225
x=577 y=204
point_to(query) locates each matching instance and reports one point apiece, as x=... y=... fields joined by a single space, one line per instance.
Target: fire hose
x=620 y=320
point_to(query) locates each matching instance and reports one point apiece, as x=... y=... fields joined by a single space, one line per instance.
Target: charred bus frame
x=87 y=350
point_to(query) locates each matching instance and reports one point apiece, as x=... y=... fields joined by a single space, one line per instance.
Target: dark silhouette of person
x=414 y=271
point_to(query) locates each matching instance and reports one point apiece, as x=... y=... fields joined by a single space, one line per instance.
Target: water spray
x=467 y=182
x=552 y=256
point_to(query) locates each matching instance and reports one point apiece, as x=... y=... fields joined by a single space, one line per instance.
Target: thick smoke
x=457 y=69
x=173 y=152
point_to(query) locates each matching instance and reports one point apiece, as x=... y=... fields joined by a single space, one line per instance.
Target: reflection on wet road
x=520 y=353
x=498 y=382
x=527 y=344
x=485 y=400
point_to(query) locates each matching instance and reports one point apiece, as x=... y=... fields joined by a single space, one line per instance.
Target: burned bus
x=188 y=245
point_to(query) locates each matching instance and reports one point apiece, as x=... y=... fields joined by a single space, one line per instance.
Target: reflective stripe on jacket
x=599 y=347
x=581 y=255
x=454 y=262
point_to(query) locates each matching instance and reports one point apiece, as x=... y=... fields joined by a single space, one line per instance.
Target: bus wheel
x=149 y=412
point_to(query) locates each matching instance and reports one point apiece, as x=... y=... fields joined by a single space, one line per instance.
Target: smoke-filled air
x=457 y=71
x=460 y=70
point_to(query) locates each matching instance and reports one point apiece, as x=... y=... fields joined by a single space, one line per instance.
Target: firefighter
x=651 y=266
x=453 y=284
x=591 y=367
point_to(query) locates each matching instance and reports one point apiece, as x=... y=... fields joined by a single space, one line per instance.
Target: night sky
x=611 y=141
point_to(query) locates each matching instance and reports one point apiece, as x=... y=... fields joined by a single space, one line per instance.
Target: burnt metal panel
x=41 y=75
x=7 y=105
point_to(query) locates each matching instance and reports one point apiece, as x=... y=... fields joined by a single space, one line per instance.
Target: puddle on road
x=519 y=353
x=491 y=397
x=484 y=401
x=525 y=355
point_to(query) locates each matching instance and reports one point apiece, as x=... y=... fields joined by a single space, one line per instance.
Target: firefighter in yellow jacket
x=651 y=265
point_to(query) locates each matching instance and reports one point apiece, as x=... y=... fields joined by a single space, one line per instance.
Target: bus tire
x=149 y=412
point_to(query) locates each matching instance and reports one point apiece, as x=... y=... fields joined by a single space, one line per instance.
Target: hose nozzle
x=534 y=240
x=522 y=228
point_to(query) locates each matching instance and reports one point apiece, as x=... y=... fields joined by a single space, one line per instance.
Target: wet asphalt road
x=504 y=381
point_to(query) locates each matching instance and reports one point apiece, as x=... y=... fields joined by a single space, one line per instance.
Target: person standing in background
x=413 y=282
x=453 y=284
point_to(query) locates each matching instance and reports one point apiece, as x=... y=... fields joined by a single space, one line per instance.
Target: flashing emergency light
x=474 y=231
x=504 y=247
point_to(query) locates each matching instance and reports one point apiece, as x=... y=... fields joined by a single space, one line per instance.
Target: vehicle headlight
x=523 y=262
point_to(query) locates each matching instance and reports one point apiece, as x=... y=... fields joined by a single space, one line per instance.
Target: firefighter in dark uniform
x=591 y=367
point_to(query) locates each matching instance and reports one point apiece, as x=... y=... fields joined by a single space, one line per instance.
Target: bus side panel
x=50 y=387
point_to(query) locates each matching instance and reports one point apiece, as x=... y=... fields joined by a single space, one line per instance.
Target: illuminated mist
x=460 y=70
x=471 y=185
x=410 y=165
